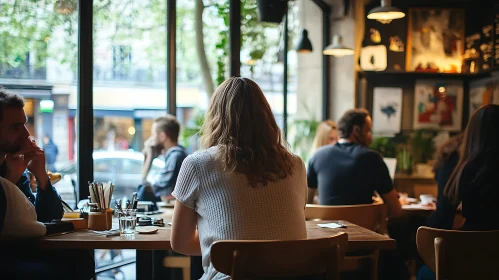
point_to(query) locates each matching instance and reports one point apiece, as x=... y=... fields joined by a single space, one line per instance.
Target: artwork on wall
x=483 y=92
x=438 y=105
x=385 y=43
x=435 y=40
x=387 y=110
x=373 y=58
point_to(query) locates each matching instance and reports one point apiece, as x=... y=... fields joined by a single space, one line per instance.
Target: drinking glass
x=128 y=219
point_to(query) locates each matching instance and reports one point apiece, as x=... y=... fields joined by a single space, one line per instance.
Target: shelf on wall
x=422 y=75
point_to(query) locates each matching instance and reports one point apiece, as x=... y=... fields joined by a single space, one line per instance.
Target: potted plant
x=384 y=146
x=422 y=150
x=404 y=159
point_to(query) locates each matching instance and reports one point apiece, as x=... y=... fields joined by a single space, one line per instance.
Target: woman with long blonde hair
x=326 y=134
x=244 y=185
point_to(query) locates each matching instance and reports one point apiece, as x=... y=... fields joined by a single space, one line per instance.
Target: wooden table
x=358 y=239
x=414 y=209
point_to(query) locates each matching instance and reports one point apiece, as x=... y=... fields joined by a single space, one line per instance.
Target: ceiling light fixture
x=385 y=13
x=337 y=48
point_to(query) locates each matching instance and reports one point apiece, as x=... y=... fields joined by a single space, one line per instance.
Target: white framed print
x=387 y=110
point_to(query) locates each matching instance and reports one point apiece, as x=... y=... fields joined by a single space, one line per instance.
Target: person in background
x=327 y=134
x=114 y=142
x=245 y=185
x=51 y=152
x=349 y=172
x=18 y=154
x=475 y=180
x=447 y=159
x=474 y=183
x=163 y=144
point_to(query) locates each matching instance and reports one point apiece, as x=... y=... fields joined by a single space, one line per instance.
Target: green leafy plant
x=422 y=146
x=404 y=159
x=385 y=146
x=253 y=37
x=192 y=130
x=303 y=136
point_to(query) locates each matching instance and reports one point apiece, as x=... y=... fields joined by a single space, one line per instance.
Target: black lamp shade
x=304 y=44
x=272 y=10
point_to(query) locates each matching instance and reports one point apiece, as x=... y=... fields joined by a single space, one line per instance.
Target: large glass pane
x=129 y=92
x=38 y=60
x=129 y=86
x=202 y=52
x=262 y=56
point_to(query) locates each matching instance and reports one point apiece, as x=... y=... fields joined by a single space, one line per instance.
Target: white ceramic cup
x=426 y=198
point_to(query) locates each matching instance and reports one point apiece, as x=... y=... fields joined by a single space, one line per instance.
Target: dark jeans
x=50 y=264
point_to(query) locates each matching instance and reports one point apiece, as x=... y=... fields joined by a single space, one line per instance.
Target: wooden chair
x=182 y=262
x=271 y=259
x=454 y=254
x=370 y=216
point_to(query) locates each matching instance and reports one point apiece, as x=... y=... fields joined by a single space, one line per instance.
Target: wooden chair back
x=454 y=254
x=271 y=259
x=370 y=216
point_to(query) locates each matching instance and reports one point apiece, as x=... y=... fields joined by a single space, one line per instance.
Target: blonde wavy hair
x=240 y=122
x=323 y=132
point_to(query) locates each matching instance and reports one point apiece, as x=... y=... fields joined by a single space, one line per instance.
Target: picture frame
x=387 y=110
x=438 y=105
x=483 y=92
x=435 y=40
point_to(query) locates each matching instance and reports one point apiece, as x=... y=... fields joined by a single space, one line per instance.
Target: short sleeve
x=187 y=188
x=381 y=175
x=312 y=180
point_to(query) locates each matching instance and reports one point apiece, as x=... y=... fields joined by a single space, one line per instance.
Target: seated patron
x=18 y=154
x=162 y=144
x=447 y=159
x=349 y=172
x=474 y=183
x=327 y=134
x=245 y=185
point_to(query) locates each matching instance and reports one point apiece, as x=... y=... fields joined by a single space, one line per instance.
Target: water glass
x=128 y=219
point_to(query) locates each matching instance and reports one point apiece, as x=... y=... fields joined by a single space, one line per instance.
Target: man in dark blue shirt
x=18 y=154
x=349 y=172
x=163 y=144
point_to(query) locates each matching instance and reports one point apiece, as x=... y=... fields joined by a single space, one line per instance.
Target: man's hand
x=151 y=148
x=32 y=157
x=35 y=158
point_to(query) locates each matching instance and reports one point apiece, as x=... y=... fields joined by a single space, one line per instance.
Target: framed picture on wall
x=435 y=40
x=387 y=110
x=438 y=105
x=483 y=92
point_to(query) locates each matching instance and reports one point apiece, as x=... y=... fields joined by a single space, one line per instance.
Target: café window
x=122 y=60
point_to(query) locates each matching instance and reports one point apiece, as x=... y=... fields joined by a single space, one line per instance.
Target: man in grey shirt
x=162 y=144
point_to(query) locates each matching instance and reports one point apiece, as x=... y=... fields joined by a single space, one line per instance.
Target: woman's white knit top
x=229 y=208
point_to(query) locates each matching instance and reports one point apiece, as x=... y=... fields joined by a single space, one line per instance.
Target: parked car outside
x=122 y=168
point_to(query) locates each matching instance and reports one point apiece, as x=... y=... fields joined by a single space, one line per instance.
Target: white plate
x=146 y=230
